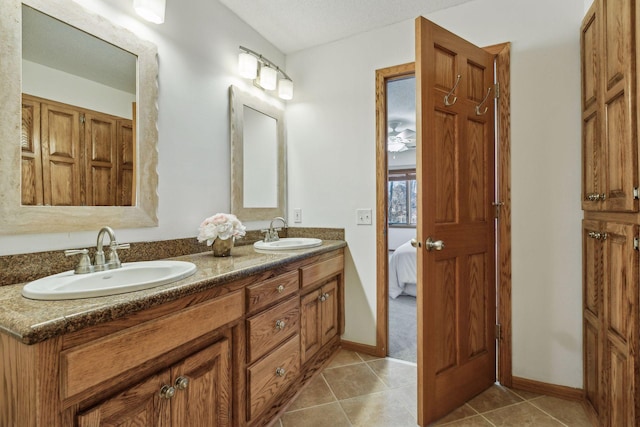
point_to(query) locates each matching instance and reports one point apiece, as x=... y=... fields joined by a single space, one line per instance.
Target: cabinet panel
x=269 y=328
x=100 y=145
x=329 y=311
x=310 y=327
x=269 y=291
x=31 y=165
x=271 y=375
x=140 y=405
x=316 y=273
x=87 y=365
x=206 y=399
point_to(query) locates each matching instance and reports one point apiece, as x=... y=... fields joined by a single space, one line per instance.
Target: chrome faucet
x=113 y=261
x=271 y=235
x=84 y=266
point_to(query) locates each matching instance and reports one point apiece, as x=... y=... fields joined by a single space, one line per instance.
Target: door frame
x=502 y=54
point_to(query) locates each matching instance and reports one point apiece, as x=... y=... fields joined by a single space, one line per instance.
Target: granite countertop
x=33 y=321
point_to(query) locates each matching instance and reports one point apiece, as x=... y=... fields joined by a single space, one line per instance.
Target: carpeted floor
x=403 y=333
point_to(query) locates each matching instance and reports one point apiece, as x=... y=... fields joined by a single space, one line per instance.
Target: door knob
x=182 y=383
x=432 y=245
x=415 y=243
x=167 y=392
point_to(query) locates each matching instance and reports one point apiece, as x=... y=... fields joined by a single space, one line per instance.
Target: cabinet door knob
x=280 y=288
x=167 y=392
x=280 y=325
x=322 y=297
x=280 y=372
x=182 y=382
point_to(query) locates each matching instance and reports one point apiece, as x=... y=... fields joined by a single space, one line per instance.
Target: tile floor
x=361 y=390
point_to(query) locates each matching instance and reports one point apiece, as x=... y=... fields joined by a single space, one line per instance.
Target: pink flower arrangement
x=220 y=226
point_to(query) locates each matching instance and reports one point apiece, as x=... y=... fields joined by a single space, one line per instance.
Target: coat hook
x=478 y=113
x=455 y=98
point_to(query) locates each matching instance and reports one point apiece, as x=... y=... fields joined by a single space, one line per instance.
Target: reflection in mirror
x=77 y=111
x=258 y=186
x=26 y=212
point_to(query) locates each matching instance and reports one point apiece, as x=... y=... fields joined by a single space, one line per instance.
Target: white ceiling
x=293 y=25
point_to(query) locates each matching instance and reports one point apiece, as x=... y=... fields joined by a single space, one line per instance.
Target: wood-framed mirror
x=21 y=214
x=258 y=157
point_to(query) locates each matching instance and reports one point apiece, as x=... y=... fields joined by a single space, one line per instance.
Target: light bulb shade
x=247 y=65
x=268 y=77
x=151 y=10
x=285 y=89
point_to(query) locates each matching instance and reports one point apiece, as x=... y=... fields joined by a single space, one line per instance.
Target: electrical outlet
x=297 y=215
x=363 y=217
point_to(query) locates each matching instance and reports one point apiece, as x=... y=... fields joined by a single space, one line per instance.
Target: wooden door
x=455 y=166
x=100 y=145
x=329 y=311
x=125 y=169
x=205 y=398
x=61 y=154
x=31 y=165
x=593 y=319
x=139 y=405
x=310 y=327
x=620 y=296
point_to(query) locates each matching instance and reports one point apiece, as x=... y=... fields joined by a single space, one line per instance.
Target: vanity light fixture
x=151 y=10
x=265 y=73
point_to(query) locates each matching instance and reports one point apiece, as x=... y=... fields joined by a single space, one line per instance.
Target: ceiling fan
x=399 y=141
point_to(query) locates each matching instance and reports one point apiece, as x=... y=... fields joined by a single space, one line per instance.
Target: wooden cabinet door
x=609 y=148
x=100 y=145
x=593 y=319
x=140 y=405
x=31 y=164
x=206 y=398
x=310 y=327
x=125 y=158
x=61 y=155
x=620 y=296
x=329 y=311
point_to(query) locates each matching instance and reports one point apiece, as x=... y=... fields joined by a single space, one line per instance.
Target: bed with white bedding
x=403 y=271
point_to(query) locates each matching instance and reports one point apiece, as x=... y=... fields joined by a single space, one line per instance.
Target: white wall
x=331 y=128
x=49 y=83
x=198 y=54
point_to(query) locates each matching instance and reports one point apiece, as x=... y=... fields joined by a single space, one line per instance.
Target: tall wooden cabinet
x=75 y=157
x=611 y=318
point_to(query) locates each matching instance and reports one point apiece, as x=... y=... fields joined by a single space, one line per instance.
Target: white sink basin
x=130 y=277
x=287 y=244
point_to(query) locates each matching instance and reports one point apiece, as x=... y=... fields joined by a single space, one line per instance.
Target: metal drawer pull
x=182 y=383
x=280 y=289
x=597 y=236
x=280 y=372
x=594 y=197
x=167 y=392
x=280 y=325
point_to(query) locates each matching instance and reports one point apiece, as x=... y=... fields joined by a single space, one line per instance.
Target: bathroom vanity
x=230 y=345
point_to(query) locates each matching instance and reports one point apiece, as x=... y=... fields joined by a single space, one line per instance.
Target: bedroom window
x=402 y=191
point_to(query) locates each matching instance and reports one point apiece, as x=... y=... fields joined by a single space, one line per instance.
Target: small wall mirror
x=35 y=106
x=258 y=186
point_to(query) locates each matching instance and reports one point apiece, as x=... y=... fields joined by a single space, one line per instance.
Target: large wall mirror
x=78 y=117
x=258 y=157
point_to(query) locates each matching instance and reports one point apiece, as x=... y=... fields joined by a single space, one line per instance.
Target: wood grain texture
x=553 y=390
x=267 y=292
x=321 y=271
x=263 y=330
x=88 y=365
x=264 y=384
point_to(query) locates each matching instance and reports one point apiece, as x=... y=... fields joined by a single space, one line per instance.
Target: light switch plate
x=297 y=215
x=363 y=217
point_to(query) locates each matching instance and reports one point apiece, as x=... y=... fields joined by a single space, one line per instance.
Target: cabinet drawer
x=268 y=329
x=88 y=365
x=265 y=293
x=272 y=375
x=316 y=273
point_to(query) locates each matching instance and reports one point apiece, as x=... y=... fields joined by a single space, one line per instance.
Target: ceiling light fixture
x=265 y=73
x=151 y=10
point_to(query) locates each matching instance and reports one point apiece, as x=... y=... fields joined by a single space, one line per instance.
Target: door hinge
x=82 y=118
x=496 y=209
x=498 y=332
x=636 y=243
x=636 y=193
x=496 y=90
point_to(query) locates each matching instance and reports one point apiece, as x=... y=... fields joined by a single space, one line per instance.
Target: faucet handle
x=84 y=266
x=114 y=260
x=267 y=234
